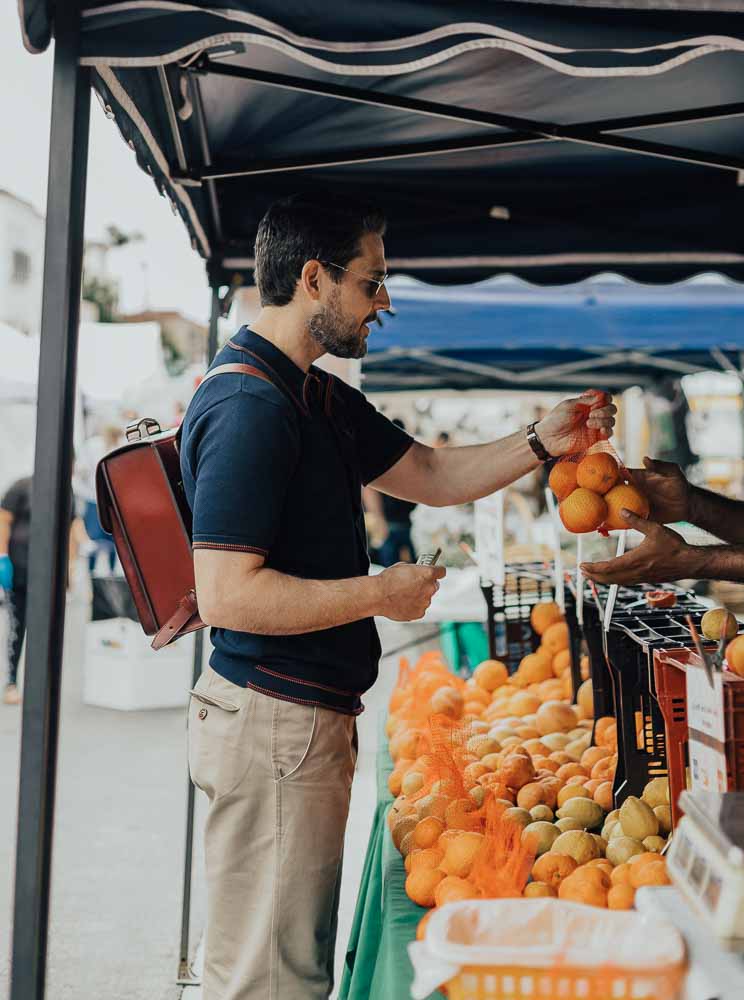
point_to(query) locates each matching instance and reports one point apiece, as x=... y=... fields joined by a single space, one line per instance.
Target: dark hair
x=305 y=227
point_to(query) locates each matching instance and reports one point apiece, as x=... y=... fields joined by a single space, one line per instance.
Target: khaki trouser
x=278 y=777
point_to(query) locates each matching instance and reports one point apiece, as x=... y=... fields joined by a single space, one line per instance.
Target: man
x=663 y=555
x=15 y=538
x=274 y=474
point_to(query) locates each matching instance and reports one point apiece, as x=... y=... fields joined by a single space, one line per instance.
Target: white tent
x=19 y=363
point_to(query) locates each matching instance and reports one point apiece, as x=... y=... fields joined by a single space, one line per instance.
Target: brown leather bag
x=142 y=504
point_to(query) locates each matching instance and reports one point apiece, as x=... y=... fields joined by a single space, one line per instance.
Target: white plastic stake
x=560 y=594
x=579 y=580
x=612 y=594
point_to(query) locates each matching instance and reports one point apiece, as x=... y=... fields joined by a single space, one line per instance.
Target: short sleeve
x=16 y=498
x=242 y=454
x=380 y=443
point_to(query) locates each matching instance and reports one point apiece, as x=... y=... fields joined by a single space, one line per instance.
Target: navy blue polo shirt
x=277 y=469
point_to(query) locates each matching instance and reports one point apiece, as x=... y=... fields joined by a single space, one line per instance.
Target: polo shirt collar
x=306 y=389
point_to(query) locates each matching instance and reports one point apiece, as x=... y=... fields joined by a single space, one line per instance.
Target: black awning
x=550 y=140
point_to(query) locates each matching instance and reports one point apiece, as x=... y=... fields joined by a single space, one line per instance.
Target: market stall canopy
x=504 y=333
x=553 y=140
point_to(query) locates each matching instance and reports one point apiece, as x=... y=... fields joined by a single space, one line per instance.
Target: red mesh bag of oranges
x=592 y=486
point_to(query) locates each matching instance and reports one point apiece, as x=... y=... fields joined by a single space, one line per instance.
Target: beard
x=336 y=333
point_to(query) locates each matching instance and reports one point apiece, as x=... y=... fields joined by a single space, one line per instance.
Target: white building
x=21 y=263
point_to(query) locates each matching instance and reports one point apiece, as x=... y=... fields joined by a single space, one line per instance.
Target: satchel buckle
x=144 y=427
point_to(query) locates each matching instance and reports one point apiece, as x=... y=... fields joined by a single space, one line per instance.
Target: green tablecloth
x=377 y=965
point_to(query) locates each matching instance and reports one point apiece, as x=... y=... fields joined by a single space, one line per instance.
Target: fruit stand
x=514 y=784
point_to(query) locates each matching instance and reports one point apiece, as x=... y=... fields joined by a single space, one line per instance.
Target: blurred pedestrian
x=442 y=440
x=84 y=481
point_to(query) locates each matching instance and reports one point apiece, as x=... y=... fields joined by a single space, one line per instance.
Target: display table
x=385 y=919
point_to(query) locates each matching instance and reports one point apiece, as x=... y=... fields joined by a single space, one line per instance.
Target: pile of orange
x=592 y=492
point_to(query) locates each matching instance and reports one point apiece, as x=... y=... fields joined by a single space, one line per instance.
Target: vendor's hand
x=662 y=557
x=6 y=573
x=667 y=490
x=407 y=590
x=576 y=424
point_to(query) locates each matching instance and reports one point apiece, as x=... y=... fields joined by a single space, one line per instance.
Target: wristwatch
x=536 y=444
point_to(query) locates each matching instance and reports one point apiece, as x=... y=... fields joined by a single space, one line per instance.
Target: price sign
x=706 y=721
x=489 y=537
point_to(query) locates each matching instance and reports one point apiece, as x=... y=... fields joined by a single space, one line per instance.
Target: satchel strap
x=181 y=616
x=236 y=369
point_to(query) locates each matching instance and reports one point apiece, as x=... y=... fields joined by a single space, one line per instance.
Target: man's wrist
x=693 y=514
x=377 y=599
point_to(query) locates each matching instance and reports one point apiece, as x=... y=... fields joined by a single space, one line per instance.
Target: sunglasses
x=375 y=283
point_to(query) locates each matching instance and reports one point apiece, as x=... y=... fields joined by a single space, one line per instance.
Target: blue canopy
x=506 y=333
x=551 y=139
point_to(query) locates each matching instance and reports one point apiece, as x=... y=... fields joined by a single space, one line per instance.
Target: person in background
x=394 y=518
x=442 y=440
x=15 y=536
x=664 y=556
x=84 y=484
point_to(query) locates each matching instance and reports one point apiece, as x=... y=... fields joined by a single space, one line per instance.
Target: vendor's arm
x=663 y=556
x=441 y=477
x=673 y=498
x=6 y=520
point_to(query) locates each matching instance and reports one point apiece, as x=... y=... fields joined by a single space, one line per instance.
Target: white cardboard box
x=122 y=671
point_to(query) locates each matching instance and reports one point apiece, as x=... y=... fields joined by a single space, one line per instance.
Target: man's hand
x=667 y=490
x=407 y=590
x=662 y=556
x=576 y=424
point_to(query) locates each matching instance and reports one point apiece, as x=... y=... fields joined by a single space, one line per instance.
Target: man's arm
x=441 y=477
x=235 y=590
x=6 y=520
x=663 y=556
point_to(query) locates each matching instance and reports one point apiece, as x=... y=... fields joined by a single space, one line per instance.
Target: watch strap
x=536 y=444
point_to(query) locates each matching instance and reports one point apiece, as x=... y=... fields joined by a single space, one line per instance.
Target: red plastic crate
x=670 y=667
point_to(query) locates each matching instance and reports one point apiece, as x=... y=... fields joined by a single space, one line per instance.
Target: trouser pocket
x=219 y=752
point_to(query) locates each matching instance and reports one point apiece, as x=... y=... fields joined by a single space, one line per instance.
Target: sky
x=163 y=272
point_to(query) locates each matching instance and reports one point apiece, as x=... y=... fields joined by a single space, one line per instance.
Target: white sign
x=489 y=537
x=706 y=722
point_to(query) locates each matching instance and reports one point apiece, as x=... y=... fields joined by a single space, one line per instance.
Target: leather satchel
x=142 y=504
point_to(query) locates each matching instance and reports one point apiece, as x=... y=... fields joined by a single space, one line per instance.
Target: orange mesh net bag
x=503 y=864
x=592 y=484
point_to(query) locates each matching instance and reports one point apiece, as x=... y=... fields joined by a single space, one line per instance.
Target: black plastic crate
x=510 y=634
x=641 y=733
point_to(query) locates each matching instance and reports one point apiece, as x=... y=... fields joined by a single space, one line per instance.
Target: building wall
x=21 y=264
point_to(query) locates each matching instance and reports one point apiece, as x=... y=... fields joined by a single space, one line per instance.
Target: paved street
x=119 y=841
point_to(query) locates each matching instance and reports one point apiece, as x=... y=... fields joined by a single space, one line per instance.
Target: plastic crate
x=510 y=634
x=641 y=735
x=669 y=667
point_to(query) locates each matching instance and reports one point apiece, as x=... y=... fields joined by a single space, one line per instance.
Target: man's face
x=341 y=323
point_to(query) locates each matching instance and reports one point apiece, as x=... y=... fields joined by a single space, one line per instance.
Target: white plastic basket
x=546 y=949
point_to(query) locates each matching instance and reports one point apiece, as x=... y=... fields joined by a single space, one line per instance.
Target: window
x=21 y=267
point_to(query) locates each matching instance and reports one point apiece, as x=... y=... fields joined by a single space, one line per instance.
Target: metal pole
x=184 y=969
x=50 y=505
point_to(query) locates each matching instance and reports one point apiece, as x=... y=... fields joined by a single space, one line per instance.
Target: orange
x=427 y=831
x=474 y=692
x=490 y=674
x=562 y=478
x=421 y=929
x=621 y=897
x=604 y=770
x=537 y=889
x=598 y=472
x=524 y=703
x=428 y=857
x=601 y=725
x=421 y=885
x=583 y=511
x=461 y=853
x=583 y=890
x=545 y=614
x=651 y=873
x=561 y=661
x=585 y=699
x=735 y=656
x=590 y=873
x=590 y=756
x=608 y=739
x=553 y=868
x=566 y=771
x=556 y=638
x=584 y=668
x=445 y=838
x=621 y=875
x=626 y=496
x=602 y=863
x=534 y=668
x=473 y=771
x=545 y=764
x=451 y=889
x=603 y=795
